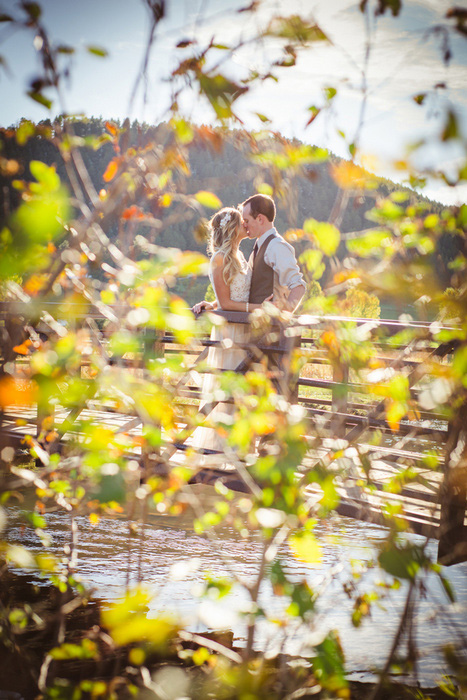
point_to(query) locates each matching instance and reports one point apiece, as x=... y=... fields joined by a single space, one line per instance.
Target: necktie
x=255 y=250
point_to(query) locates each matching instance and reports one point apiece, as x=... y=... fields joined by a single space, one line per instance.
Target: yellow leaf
x=137 y=657
x=94 y=518
x=306 y=548
x=265 y=188
x=395 y=411
x=107 y=296
x=208 y=199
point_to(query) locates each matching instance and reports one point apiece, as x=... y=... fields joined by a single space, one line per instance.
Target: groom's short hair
x=261 y=204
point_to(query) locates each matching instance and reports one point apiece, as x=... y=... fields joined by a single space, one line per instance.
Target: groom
x=275 y=269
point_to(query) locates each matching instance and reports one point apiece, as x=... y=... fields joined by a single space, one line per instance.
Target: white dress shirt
x=280 y=255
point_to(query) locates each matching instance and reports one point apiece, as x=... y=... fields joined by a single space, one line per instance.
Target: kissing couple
x=271 y=274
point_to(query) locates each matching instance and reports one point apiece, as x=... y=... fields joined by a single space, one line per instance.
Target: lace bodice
x=240 y=285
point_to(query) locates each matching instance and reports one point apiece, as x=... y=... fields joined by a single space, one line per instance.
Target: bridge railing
x=337 y=401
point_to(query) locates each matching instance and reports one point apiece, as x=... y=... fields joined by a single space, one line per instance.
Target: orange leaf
x=111 y=128
x=347 y=175
x=15 y=392
x=35 y=284
x=111 y=169
x=132 y=212
x=213 y=138
x=23 y=349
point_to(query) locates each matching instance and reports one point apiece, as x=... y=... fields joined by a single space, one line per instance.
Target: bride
x=230 y=276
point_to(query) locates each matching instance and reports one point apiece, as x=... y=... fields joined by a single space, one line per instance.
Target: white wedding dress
x=219 y=357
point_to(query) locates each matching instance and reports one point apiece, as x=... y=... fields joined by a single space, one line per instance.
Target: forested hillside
x=232 y=166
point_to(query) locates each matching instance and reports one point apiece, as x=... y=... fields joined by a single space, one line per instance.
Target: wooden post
x=452 y=547
x=289 y=377
x=340 y=377
x=153 y=347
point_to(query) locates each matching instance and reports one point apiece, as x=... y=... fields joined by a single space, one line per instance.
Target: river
x=173 y=559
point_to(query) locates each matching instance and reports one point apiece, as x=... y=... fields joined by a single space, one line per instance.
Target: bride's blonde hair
x=223 y=239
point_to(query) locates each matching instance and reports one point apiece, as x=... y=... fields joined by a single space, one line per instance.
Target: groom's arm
x=295 y=297
x=280 y=255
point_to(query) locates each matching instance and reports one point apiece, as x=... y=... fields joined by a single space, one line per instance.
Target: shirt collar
x=260 y=240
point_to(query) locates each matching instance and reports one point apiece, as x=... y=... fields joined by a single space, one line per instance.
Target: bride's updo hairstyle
x=224 y=229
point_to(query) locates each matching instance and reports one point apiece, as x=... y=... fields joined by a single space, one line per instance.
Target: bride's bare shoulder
x=217 y=260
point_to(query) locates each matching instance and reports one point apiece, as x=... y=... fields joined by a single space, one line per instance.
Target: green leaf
x=393 y=5
x=295 y=28
x=399 y=196
x=448 y=589
x=431 y=221
x=86 y=650
x=123 y=342
x=183 y=131
x=46 y=175
x=98 y=51
x=5 y=18
x=312 y=260
x=25 y=130
x=292 y=157
x=451 y=127
x=303 y=600
x=462 y=217
x=386 y=211
x=420 y=98
x=263 y=117
x=369 y=244
x=326 y=235
x=329 y=664
x=314 y=113
x=329 y=93
x=68 y=50
x=399 y=389
x=208 y=199
x=402 y=562
x=221 y=93
x=40 y=98
x=33 y=9
x=42 y=216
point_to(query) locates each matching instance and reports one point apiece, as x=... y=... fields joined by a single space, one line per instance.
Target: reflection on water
x=105 y=558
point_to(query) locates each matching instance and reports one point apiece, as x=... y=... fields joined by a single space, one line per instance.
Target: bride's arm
x=223 y=291
x=204 y=305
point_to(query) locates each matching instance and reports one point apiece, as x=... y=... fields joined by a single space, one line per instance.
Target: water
x=103 y=562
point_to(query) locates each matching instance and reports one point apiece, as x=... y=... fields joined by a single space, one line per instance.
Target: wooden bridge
x=408 y=468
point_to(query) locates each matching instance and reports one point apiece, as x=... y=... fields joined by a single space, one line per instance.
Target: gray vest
x=262 y=279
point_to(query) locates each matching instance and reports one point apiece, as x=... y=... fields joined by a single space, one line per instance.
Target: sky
x=404 y=59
